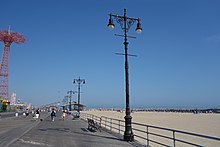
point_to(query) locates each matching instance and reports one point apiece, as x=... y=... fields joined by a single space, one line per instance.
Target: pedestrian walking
x=53 y=115
x=77 y=114
x=64 y=115
x=37 y=114
x=27 y=112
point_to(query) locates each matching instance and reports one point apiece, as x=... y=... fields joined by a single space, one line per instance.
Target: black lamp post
x=125 y=23
x=66 y=99
x=79 y=82
x=70 y=92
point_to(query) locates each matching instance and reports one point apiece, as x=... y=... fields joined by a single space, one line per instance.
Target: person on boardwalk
x=27 y=112
x=37 y=115
x=64 y=115
x=53 y=115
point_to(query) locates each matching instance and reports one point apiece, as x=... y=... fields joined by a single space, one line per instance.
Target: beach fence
x=156 y=136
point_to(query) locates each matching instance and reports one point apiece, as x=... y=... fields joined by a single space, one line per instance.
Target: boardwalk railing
x=9 y=114
x=156 y=136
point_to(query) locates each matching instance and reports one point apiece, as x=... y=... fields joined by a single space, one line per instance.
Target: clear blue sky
x=178 y=63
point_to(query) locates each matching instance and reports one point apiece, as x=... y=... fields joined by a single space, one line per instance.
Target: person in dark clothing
x=37 y=114
x=53 y=115
x=27 y=112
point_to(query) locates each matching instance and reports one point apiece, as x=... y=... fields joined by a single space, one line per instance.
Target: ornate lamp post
x=79 y=82
x=125 y=23
x=70 y=92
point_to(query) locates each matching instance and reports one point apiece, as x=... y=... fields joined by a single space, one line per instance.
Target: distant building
x=74 y=106
x=13 y=99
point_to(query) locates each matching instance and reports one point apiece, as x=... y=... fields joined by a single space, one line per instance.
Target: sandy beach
x=206 y=124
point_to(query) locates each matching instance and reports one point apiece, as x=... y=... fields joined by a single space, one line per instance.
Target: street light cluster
x=70 y=92
x=70 y=96
x=79 y=82
x=125 y=23
x=124 y=19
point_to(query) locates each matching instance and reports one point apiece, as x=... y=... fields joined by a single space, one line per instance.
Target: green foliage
x=4 y=107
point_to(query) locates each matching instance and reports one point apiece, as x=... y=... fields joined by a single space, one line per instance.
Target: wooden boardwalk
x=25 y=132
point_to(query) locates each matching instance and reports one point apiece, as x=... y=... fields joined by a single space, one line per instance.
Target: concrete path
x=61 y=133
x=11 y=128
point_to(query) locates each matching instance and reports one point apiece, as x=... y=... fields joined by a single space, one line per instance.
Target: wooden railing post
x=148 y=143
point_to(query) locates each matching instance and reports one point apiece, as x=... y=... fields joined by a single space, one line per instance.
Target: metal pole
x=174 y=139
x=148 y=137
x=125 y=23
x=78 y=94
x=70 y=103
x=79 y=82
x=128 y=134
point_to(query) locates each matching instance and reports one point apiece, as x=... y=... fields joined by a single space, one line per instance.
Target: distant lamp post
x=125 y=23
x=70 y=96
x=66 y=99
x=79 y=82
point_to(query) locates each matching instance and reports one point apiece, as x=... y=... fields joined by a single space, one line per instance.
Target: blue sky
x=178 y=52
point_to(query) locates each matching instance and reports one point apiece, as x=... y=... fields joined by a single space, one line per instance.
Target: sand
x=206 y=124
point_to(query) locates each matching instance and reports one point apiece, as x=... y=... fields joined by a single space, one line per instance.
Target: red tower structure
x=8 y=37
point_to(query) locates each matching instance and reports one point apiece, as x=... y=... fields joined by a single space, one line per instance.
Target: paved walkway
x=66 y=133
x=11 y=128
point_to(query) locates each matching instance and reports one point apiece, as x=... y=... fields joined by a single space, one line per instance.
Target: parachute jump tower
x=8 y=37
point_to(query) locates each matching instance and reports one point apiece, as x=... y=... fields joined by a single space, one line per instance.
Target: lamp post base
x=128 y=134
x=129 y=137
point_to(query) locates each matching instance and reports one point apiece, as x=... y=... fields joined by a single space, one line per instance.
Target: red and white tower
x=8 y=37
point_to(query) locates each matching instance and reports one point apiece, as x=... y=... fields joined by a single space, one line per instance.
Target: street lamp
x=70 y=92
x=79 y=81
x=125 y=23
x=66 y=99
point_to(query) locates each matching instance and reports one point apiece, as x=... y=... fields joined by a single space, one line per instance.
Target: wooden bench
x=93 y=126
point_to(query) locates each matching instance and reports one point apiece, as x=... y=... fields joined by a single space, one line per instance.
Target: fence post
x=100 y=121
x=148 y=143
x=174 y=139
x=105 y=122
x=111 y=124
x=119 y=126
